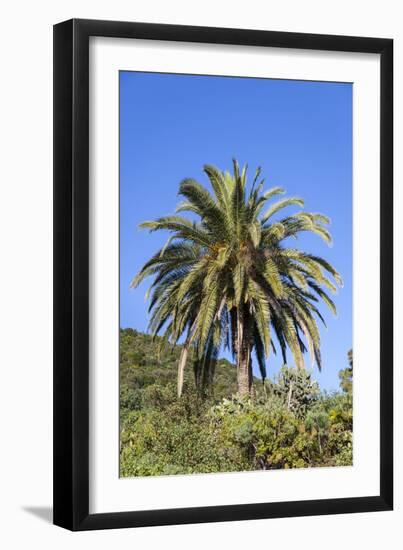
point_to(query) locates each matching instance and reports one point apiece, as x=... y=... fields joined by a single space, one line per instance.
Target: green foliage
x=346 y=375
x=297 y=389
x=147 y=360
x=222 y=431
x=173 y=437
x=274 y=436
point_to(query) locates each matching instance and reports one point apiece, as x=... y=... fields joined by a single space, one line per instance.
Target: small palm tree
x=229 y=278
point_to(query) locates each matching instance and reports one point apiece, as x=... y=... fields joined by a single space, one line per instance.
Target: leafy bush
x=174 y=436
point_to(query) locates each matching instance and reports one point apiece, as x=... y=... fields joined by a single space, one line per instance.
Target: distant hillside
x=145 y=361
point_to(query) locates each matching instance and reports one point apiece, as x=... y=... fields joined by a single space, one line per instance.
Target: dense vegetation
x=230 y=276
x=287 y=422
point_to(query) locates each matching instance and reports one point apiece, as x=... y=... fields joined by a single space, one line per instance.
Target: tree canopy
x=230 y=277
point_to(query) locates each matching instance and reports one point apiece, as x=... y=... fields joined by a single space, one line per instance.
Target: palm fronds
x=230 y=279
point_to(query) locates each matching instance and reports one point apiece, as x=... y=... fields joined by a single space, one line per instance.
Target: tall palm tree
x=228 y=277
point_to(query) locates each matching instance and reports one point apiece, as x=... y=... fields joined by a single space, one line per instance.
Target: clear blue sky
x=299 y=132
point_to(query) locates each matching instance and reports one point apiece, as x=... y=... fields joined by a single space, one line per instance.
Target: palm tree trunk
x=244 y=374
x=184 y=357
x=244 y=377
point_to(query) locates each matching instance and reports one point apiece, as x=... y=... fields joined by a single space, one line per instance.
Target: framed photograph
x=223 y=276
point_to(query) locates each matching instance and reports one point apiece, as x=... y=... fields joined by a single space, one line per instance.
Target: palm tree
x=229 y=278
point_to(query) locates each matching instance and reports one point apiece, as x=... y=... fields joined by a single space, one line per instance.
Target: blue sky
x=299 y=132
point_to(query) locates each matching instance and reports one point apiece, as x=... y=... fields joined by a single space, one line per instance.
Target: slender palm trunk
x=184 y=357
x=181 y=367
x=244 y=367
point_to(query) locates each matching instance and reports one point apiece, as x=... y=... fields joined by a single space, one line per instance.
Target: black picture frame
x=71 y=274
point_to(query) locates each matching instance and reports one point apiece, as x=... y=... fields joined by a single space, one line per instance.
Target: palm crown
x=227 y=277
